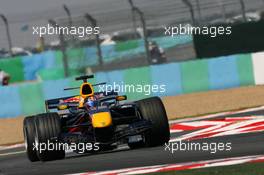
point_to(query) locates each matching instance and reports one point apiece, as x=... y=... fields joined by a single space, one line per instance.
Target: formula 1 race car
x=102 y=119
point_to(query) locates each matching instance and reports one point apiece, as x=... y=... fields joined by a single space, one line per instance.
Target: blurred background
x=132 y=35
x=121 y=39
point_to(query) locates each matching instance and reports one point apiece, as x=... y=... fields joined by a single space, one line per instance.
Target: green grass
x=242 y=169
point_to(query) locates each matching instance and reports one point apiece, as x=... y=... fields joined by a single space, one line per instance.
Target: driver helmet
x=90 y=102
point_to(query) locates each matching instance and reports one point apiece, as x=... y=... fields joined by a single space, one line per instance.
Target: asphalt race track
x=242 y=145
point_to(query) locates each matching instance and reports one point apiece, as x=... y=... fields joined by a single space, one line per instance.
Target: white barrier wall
x=258 y=67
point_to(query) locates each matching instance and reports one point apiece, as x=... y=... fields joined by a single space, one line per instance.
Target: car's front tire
x=48 y=128
x=29 y=137
x=153 y=110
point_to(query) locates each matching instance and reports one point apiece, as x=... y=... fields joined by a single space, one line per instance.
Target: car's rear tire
x=29 y=137
x=153 y=110
x=48 y=128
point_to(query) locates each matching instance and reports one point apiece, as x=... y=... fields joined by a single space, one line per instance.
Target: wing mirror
x=63 y=107
x=121 y=98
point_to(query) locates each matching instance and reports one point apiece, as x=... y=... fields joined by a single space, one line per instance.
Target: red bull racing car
x=103 y=120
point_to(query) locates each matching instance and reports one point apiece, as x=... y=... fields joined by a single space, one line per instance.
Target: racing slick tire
x=48 y=129
x=29 y=137
x=153 y=110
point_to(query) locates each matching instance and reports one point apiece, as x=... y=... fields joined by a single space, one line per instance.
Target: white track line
x=12 y=153
x=12 y=146
x=188 y=165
